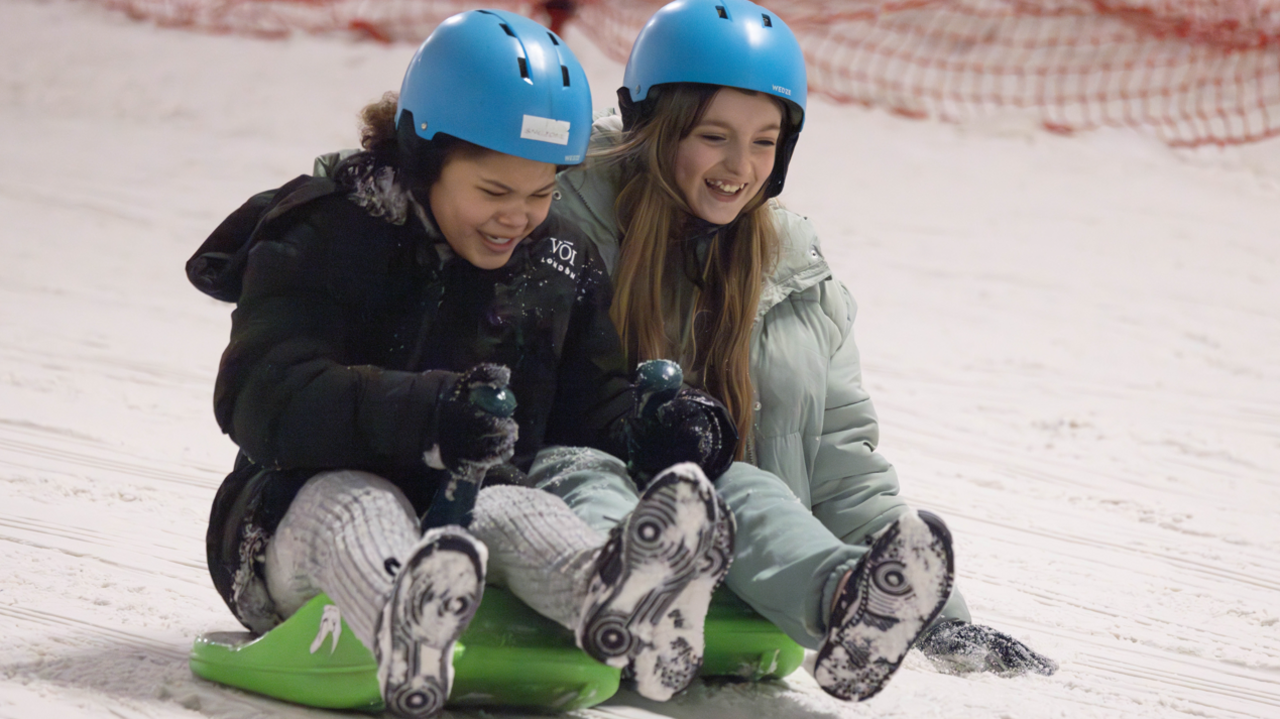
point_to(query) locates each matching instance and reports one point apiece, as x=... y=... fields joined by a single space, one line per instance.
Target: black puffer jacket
x=347 y=299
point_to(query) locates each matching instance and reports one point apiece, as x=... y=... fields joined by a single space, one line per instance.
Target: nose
x=511 y=216
x=735 y=157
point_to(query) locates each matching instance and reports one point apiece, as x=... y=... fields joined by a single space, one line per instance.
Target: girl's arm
x=853 y=488
x=287 y=391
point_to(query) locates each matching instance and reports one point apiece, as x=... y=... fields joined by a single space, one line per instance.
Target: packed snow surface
x=1073 y=344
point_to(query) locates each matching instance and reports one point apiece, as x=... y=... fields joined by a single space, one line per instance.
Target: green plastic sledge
x=741 y=643
x=509 y=656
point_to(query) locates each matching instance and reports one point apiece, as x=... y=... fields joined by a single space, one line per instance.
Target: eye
x=711 y=136
x=766 y=142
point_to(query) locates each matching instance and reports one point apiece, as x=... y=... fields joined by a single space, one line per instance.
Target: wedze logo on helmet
x=500 y=81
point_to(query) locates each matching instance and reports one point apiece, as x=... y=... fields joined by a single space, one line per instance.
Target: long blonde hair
x=654 y=218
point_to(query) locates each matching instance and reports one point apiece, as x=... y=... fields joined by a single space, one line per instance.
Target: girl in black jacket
x=388 y=317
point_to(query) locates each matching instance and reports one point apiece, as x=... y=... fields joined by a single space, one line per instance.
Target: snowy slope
x=1074 y=345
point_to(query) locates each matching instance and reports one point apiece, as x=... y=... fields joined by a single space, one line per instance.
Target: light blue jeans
x=787 y=565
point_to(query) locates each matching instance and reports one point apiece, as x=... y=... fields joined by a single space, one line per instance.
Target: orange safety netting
x=1194 y=72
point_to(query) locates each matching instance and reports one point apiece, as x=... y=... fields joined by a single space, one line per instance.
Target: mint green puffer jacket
x=815 y=426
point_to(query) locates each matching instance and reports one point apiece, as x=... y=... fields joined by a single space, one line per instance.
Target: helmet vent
x=524 y=68
x=724 y=14
x=768 y=21
x=554 y=41
x=508 y=29
x=564 y=73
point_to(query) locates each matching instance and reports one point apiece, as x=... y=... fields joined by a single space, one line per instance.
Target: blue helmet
x=732 y=43
x=500 y=81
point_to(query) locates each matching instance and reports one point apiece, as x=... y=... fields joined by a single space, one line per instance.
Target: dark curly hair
x=378 y=122
x=420 y=161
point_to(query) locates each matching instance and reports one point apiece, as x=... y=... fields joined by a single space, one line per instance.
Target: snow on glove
x=957 y=647
x=474 y=433
x=671 y=424
x=474 y=428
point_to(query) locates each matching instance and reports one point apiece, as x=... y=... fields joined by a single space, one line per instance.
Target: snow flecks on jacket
x=376 y=189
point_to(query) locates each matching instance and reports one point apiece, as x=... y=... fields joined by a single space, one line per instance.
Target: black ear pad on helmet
x=781 y=159
x=412 y=148
x=627 y=108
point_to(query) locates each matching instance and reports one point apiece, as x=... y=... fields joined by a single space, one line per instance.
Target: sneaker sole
x=900 y=587
x=434 y=598
x=648 y=603
x=678 y=645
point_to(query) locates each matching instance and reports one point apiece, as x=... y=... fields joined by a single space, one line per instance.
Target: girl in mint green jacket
x=711 y=272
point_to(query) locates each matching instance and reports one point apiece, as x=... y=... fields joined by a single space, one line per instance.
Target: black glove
x=474 y=428
x=671 y=424
x=474 y=433
x=957 y=647
x=508 y=474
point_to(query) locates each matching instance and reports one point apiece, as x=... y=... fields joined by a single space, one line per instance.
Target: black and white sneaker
x=435 y=595
x=884 y=603
x=648 y=598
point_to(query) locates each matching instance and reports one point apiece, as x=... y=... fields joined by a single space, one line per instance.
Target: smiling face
x=728 y=156
x=486 y=203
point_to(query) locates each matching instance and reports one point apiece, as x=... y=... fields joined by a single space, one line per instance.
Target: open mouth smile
x=729 y=189
x=500 y=241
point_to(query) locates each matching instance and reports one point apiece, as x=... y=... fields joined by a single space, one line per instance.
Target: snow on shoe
x=889 y=598
x=648 y=600
x=435 y=595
